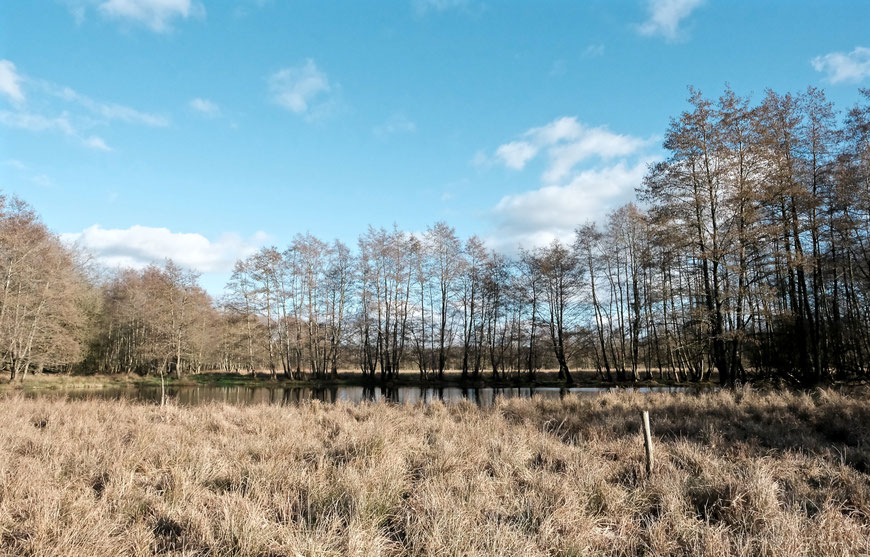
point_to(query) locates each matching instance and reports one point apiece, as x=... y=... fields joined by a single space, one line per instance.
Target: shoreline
x=452 y=379
x=51 y=381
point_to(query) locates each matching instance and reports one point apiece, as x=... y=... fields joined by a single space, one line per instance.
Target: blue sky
x=201 y=130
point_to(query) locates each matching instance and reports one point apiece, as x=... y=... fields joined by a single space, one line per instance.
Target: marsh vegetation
x=736 y=473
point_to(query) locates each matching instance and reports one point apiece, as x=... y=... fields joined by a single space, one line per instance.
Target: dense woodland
x=747 y=254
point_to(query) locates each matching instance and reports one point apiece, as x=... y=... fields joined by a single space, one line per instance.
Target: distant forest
x=746 y=255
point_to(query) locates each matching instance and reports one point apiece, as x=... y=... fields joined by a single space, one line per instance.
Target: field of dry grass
x=736 y=473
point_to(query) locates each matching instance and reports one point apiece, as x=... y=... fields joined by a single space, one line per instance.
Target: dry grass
x=736 y=473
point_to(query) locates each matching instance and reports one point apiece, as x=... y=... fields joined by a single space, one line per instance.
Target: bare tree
x=561 y=274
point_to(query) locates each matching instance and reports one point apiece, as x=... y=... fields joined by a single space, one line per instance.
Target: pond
x=247 y=395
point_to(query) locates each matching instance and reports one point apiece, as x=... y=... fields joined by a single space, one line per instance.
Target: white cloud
x=535 y=218
x=157 y=15
x=593 y=142
x=138 y=246
x=397 y=123
x=300 y=89
x=516 y=154
x=565 y=128
x=205 y=106
x=567 y=143
x=665 y=17
x=10 y=81
x=587 y=172
x=842 y=67
x=95 y=142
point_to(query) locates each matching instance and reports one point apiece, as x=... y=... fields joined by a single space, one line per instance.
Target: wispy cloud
x=665 y=17
x=138 y=246
x=10 y=81
x=42 y=180
x=244 y=8
x=396 y=124
x=156 y=15
x=96 y=142
x=14 y=163
x=481 y=160
x=424 y=6
x=303 y=90
x=107 y=111
x=844 y=67
x=25 y=172
x=63 y=110
x=593 y=51
x=558 y=68
x=38 y=123
x=205 y=107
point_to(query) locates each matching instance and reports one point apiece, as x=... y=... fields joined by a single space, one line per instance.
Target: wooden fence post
x=647 y=443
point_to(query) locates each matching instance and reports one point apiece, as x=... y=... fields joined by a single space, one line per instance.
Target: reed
x=736 y=473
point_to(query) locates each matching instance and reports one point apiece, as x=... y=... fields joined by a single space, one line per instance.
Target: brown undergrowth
x=740 y=473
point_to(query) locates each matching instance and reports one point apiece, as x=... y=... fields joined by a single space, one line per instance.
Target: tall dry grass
x=736 y=473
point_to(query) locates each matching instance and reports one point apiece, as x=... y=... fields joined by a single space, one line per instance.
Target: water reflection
x=247 y=395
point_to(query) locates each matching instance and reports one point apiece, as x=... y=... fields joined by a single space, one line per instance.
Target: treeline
x=746 y=256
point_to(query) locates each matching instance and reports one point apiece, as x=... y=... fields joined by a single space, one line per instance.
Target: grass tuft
x=736 y=473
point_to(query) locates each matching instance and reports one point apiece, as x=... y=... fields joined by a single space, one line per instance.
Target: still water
x=245 y=395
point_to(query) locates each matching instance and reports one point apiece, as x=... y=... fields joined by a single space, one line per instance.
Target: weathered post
x=647 y=443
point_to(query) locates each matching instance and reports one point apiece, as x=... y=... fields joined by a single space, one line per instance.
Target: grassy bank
x=736 y=473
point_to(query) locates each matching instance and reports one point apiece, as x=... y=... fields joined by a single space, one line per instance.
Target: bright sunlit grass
x=735 y=473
